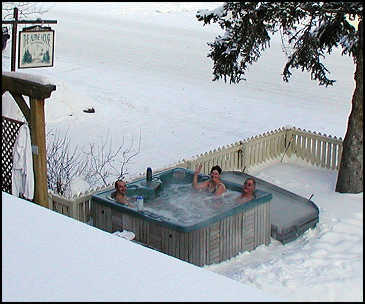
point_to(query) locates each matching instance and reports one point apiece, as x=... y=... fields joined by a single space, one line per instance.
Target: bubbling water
x=182 y=204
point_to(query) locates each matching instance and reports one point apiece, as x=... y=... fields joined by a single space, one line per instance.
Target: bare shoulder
x=221 y=185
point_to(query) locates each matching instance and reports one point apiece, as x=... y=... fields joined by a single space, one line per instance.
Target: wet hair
x=219 y=169
x=116 y=183
x=253 y=180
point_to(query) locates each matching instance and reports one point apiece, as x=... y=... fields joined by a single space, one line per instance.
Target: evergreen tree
x=27 y=57
x=46 y=58
x=312 y=30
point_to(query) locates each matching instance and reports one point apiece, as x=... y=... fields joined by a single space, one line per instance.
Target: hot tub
x=193 y=226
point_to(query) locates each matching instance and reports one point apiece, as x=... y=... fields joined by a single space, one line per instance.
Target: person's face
x=121 y=187
x=214 y=175
x=249 y=186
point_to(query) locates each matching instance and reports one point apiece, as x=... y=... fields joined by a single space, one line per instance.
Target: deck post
x=38 y=137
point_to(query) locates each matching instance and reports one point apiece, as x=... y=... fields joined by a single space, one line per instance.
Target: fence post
x=74 y=208
x=188 y=164
x=289 y=135
x=50 y=201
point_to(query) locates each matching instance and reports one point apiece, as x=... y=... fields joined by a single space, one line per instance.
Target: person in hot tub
x=120 y=192
x=248 y=191
x=213 y=185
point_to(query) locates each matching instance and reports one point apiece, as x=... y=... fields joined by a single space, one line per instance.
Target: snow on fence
x=317 y=149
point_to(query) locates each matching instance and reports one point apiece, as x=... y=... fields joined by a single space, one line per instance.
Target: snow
x=61 y=259
x=144 y=68
x=79 y=185
x=29 y=77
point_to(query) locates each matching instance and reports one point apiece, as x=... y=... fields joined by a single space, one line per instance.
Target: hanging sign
x=36 y=47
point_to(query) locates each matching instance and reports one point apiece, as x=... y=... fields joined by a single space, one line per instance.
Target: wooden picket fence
x=317 y=149
x=77 y=207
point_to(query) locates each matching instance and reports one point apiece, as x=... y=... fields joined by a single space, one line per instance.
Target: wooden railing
x=317 y=149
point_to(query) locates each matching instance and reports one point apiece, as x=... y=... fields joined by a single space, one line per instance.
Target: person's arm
x=122 y=199
x=196 y=185
x=220 y=189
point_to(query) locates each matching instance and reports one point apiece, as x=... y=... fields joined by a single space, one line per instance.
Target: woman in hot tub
x=213 y=185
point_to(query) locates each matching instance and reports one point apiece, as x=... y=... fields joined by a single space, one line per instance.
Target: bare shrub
x=63 y=163
x=99 y=164
x=25 y=9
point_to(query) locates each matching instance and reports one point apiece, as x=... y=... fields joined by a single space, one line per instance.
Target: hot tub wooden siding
x=215 y=243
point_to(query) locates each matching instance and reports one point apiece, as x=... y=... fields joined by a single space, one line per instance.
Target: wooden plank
x=255 y=226
x=164 y=239
x=191 y=247
x=227 y=238
x=108 y=218
x=197 y=247
x=172 y=247
x=155 y=236
x=222 y=241
x=241 y=229
x=329 y=150
x=334 y=156
x=258 y=227
x=262 y=223
x=176 y=242
x=324 y=153
x=22 y=105
x=204 y=245
x=227 y=242
x=303 y=147
x=214 y=243
x=313 y=152
x=187 y=246
x=339 y=155
x=26 y=87
x=232 y=235
x=299 y=145
x=268 y=223
x=318 y=153
x=145 y=232
x=181 y=246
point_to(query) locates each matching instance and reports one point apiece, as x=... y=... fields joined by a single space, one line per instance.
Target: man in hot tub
x=248 y=191
x=120 y=192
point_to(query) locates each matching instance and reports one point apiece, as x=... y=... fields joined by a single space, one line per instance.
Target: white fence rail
x=319 y=150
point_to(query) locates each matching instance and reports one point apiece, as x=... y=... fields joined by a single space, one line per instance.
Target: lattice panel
x=9 y=132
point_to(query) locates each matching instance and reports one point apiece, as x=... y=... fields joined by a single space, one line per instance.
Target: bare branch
x=25 y=9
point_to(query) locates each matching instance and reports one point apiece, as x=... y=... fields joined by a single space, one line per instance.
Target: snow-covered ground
x=143 y=67
x=62 y=259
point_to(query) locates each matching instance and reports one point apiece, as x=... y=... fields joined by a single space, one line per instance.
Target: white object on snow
x=125 y=234
x=22 y=178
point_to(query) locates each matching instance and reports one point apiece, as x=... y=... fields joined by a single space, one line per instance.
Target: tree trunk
x=350 y=174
